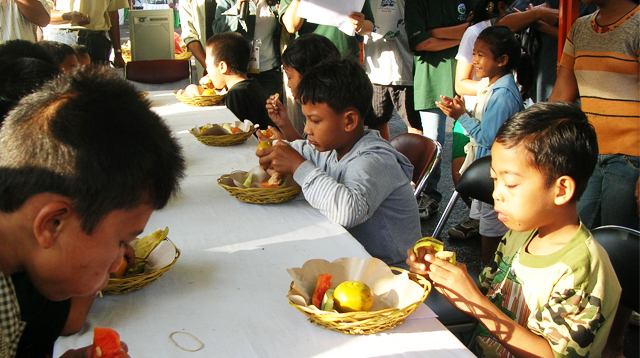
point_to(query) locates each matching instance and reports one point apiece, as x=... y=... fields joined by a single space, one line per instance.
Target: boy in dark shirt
x=227 y=61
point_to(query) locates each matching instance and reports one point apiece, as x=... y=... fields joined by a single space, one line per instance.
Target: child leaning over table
x=551 y=289
x=227 y=61
x=352 y=175
x=70 y=203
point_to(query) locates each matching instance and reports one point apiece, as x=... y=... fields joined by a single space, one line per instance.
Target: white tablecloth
x=229 y=286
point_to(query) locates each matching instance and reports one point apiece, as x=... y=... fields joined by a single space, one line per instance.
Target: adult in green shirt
x=347 y=45
x=434 y=29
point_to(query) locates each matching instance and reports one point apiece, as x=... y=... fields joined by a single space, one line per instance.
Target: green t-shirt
x=434 y=70
x=569 y=297
x=347 y=45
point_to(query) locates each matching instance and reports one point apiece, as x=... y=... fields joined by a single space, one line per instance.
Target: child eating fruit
x=550 y=289
x=228 y=55
x=352 y=175
x=69 y=202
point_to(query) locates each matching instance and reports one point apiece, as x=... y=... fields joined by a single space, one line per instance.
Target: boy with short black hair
x=352 y=175
x=69 y=202
x=227 y=60
x=63 y=55
x=82 y=53
x=551 y=289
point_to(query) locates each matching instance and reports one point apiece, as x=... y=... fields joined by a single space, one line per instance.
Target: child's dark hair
x=307 y=51
x=90 y=137
x=340 y=83
x=560 y=139
x=15 y=49
x=20 y=77
x=80 y=50
x=503 y=41
x=233 y=49
x=487 y=9
x=57 y=50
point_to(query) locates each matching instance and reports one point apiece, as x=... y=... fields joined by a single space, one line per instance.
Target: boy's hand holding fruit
x=280 y=157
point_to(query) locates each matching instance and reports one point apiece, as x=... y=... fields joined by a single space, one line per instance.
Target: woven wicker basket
x=225 y=140
x=261 y=195
x=183 y=56
x=365 y=322
x=200 y=101
x=120 y=285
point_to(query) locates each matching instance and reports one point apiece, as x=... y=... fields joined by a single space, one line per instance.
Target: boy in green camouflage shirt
x=550 y=290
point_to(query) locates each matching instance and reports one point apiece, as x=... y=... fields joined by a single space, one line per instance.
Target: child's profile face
x=214 y=72
x=324 y=127
x=293 y=78
x=84 y=60
x=79 y=264
x=70 y=63
x=521 y=196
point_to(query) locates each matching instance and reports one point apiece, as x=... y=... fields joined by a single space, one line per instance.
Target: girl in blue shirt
x=496 y=54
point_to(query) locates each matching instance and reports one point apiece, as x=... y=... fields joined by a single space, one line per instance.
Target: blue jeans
x=433 y=127
x=610 y=195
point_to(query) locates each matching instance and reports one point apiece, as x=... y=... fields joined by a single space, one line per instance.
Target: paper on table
x=331 y=12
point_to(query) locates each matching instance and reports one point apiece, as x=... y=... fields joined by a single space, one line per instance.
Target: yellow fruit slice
x=447 y=256
x=145 y=245
x=428 y=241
x=263 y=145
x=352 y=296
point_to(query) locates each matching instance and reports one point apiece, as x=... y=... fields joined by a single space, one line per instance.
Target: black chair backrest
x=476 y=181
x=623 y=247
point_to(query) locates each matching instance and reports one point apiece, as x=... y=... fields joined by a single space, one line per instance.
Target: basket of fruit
x=354 y=295
x=222 y=135
x=199 y=96
x=258 y=187
x=155 y=255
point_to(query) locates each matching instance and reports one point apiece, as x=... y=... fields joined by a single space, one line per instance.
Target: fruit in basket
x=122 y=269
x=145 y=245
x=352 y=296
x=208 y=92
x=275 y=181
x=106 y=343
x=322 y=285
x=263 y=145
x=327 y=300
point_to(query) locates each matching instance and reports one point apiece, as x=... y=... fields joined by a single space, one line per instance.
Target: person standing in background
x=19 y=19
x=389 y=64
x=260 y=26
x=434 y=29
x=196 y=17
x=85 y=22
x=541 y=17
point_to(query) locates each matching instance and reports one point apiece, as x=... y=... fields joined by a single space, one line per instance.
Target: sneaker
x=634 y=319
x=427 y=207
x=467 y=229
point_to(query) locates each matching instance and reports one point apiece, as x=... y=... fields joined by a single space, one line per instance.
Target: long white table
x=229 y=286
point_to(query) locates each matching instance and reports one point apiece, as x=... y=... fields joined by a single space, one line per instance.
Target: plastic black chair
x=475 y=183
x=623 y=247
x=422 y=152
x=158 y=72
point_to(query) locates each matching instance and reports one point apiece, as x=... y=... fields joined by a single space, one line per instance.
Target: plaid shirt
x=10 y=324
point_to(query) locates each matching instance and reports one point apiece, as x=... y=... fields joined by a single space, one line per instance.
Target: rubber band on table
x=188 y=334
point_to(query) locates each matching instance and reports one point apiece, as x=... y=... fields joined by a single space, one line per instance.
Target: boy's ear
x=565 y=188
x=224 y=69
x=351 y=119
x=50 y=221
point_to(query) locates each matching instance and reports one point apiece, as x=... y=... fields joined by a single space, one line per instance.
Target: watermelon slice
x=323 y=284
x=106 y=343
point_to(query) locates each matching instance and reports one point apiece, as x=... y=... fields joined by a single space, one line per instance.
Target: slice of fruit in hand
x=429 y=241
x=106 y=343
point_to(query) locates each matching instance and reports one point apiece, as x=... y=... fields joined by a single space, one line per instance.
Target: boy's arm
x=566 y=86
x=521 y=20
x=419 y=37
x=37 y=12
x=455 y=284
x=290 y=19
x=190 y=34
x=451 y=32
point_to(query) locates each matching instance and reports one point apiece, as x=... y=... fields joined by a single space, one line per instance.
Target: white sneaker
x=427 y=206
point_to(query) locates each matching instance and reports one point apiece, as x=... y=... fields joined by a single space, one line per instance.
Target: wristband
x=117 y=50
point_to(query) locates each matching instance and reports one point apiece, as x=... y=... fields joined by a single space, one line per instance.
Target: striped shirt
x=605 y=60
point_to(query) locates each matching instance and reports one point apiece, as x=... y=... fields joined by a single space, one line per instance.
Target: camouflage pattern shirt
x=569 y=297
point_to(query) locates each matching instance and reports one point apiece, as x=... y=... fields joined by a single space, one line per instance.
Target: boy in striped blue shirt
x=349 y=173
